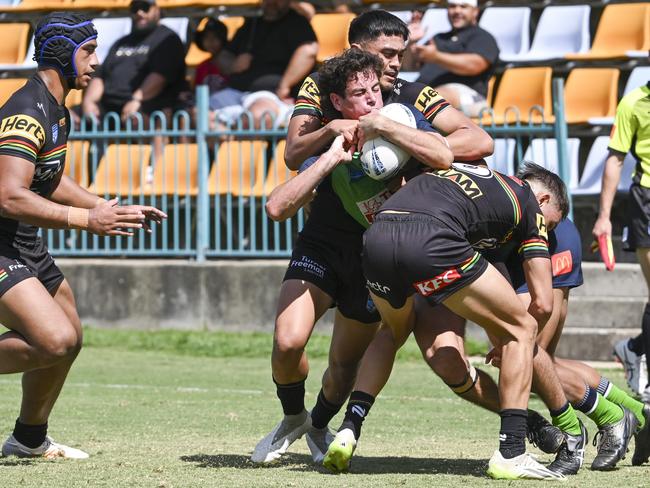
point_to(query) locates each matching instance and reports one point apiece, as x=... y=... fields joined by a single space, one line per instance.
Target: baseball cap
x=471 y=3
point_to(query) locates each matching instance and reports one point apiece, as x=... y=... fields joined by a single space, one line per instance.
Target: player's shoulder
x=631 y=99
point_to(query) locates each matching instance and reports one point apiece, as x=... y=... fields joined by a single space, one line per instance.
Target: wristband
x=78 y=218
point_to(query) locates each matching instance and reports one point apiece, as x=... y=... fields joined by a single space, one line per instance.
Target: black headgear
x=57 y=38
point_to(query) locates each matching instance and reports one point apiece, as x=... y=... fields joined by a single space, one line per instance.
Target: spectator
x=213 y=38
x=143 y=71
x=416 y=28
x=459 y=63
x=270 y=56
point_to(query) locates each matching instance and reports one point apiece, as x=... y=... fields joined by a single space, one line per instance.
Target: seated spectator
x=270 y=56
x=213 y=38
x=459 y=63
x=143 y=71
x=416 y=29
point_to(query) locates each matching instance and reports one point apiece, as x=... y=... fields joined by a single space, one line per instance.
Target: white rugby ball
x=381 y=159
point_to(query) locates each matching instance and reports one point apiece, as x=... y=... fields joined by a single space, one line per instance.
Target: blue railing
x=212 y=182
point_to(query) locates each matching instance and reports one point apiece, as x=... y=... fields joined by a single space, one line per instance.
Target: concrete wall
x=242 y=295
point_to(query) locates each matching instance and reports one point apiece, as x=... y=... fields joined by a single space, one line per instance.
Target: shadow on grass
x=12 y=461
x=360 y=464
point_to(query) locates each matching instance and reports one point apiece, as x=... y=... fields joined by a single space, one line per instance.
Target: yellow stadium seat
x=120 y=169
x=589 y=93
x=490 y=91
x=14 y=43
x=8 y=86
x=523 y=88
x=44 y=4
x=332 y=33
x=277 y=173
x=623 y=29
x=238 y=165
x=101 y=4
x=170 y=4
x=76 y=161
x=177 y=172
x=196 y=56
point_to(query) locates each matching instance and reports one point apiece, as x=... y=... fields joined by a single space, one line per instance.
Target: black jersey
x=328 y=216
x=34 y=127
x=489 y=209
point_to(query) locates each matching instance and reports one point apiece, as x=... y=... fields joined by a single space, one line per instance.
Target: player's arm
x=68 y=192
x=286 y=199
x=539 y=279
x=611 y=178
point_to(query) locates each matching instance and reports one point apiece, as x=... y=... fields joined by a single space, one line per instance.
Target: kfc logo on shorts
x=432 y=285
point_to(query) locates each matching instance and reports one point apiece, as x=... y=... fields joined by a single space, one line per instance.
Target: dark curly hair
x=334 y=74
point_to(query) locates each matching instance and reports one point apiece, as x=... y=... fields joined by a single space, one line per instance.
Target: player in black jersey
x=36 y=302
x=425 y=240
x=325 y=268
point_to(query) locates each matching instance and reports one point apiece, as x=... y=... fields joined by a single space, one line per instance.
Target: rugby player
x=325 y=268
x=424 y=240
x=36 y=301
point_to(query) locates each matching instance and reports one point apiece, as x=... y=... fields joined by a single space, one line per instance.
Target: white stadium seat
x=108 y=32
x=178 y=25
x=435 y=21
x=591 y=180
x=544 y=153
x=509 y=26
x=638 y=77
x=503 y=159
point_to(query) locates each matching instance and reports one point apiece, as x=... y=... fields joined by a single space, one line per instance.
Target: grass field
x=179 y=409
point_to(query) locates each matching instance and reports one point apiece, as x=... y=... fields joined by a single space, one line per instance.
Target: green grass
x=167 y=409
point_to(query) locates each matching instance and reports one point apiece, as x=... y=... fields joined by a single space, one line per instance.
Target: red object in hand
x=606 y=251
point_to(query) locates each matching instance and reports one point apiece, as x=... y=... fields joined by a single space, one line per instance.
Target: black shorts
x=405 y=254
x=22 y=260
x=336 y=270
x=637 y=232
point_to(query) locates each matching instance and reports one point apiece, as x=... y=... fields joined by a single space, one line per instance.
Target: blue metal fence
x=212 y=182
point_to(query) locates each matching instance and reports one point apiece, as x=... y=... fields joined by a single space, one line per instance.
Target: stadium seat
x=503 y=158
x=591 y=179
x=523 y=88
x=8 y=86
x=638 y=77
x=195 y=56
x=178 y=25
x=277 y=172
x=110 y=30
x=238 y=165
x=509 y=26
x=544 y=153
x=560 y=30
x=177 y=173
x=623 y=31
x=595 y=105
x=332 y=33
x=14 y=43
x=76 y=161
x=403 y=15
x=434 y=21
x=120 y=169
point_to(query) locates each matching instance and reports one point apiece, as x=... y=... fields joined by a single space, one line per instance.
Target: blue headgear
x=58 y=37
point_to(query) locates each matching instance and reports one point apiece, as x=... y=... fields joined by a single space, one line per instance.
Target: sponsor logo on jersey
x=309 y=89
x=18 y=265
x=39 y=105
x=62 y=122
x=47 y=171
x=23 y=126
x=562 y=262
x=55 y=132
x=370 y=206
x=467 y=184
x=480 y=171
x=426 y=96
x=370 y=306
x=541 y=226
x=308 y=265
x=437 y=283
x=378 y=287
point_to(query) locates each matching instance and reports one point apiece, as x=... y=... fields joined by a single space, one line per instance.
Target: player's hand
x=109 y=219
x=150 y=214
x=370 y=125
x=602 y=226
x=341 y=150
x=344 y=127
x=494 y=357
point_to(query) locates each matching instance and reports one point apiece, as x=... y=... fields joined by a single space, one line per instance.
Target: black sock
x=512 y=436
x=292 y=397
x=30 y=435
x=323 y=411
x=635 y=344
x=357 y=410
x=645 y=332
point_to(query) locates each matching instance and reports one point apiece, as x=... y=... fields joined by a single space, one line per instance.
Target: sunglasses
x=135 y=7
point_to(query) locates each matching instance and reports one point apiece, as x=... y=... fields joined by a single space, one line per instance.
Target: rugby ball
x=381 y=159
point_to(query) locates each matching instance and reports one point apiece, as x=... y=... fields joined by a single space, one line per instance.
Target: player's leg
x=643 y=256
x=300 y=305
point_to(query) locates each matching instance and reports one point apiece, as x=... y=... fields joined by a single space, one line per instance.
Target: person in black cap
x=212 y=38
x=36 y=301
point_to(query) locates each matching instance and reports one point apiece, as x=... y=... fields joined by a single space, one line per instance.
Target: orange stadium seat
x=101 y=4
x=195 y=56
x=623 y=31
x=8 y=86
x=170 y=4
x=76 y=161
x=332 y=33
x=238 y=165
x=14 y=43
x=523 y=88
x=178 y=172
x=277 y=172
x=589 y=93
x=120 y=169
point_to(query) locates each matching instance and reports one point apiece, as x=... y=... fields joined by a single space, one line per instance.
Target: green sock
x=605 y=412
x=566 y=420
x=615 y=395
